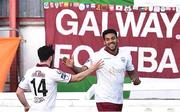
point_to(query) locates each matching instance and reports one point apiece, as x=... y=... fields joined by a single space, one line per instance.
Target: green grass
x=85 y=84
x=81 y=86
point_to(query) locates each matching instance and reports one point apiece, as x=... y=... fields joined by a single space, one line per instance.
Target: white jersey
x=110 y=77
x=42 y=81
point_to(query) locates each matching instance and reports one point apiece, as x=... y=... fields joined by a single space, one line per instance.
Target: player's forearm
x=23 y=101
x=21 y=96
x=134 y=77
x=132 y=74
x=81 y=75
x=78 y=69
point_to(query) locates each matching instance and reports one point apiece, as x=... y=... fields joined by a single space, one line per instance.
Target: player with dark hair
x=42 y=81
x=110 y=78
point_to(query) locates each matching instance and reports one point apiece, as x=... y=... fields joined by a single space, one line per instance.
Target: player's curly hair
x=45 y=52
x=109 y=31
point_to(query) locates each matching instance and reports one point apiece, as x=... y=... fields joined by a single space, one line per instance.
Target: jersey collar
x=108 y=51
x=42 y=65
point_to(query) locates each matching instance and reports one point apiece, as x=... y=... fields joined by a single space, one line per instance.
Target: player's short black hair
x=45 y=52
x=109 y=31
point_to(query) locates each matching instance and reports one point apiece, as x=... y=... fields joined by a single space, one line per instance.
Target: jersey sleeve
x=129 y=66
x=24 y=82
x=60 y=76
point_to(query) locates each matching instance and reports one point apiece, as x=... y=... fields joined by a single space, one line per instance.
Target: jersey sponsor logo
x=38 y=99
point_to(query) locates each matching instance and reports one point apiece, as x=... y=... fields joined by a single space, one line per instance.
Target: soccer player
x=110 y=78
x=42 y=81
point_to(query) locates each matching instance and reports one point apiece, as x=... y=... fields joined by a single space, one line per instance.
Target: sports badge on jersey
x=123 y=59
x=62 y=74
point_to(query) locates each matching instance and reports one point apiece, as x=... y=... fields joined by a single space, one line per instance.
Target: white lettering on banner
x=80 y=48
x=74 y=25
x=104 y=21
x=129 y=20
x=151 y=59
x=153 y=18
x=168 y=53
x=59 y=55
x=123 y=26
x=90 y=17
x=169 y=25
x=172 y=64
x=155 y=67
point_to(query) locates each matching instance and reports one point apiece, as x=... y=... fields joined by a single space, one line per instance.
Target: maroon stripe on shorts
x=109 y=107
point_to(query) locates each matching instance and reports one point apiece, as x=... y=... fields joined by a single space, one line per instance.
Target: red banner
x=151 y=34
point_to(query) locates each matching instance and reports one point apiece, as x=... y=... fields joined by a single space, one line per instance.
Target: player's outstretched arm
x=82 y=75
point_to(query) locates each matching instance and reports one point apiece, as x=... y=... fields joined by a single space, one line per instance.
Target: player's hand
x=97 y=65
x=68 y=62
x=26 y=109
x=136 y=81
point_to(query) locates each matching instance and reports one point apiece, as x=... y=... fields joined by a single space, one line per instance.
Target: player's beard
x=112 y=47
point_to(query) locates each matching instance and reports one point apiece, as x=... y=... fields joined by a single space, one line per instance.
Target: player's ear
x=50 y=58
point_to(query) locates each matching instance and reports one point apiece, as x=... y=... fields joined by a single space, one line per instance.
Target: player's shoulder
x=124 y=50
x=56 y=70
x=96 y=55
x=30 y=70
x=99 y=52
